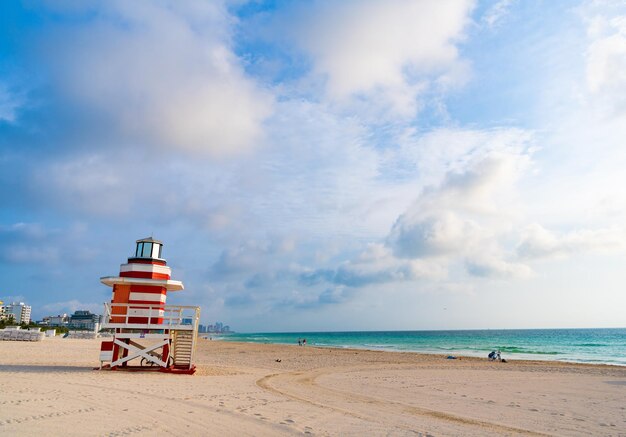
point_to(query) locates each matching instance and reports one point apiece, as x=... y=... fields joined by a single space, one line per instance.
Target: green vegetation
x=9 y=321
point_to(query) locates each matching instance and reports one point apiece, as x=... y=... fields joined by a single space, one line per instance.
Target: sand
x=49 y=388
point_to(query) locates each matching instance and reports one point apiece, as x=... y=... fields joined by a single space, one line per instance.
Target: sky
x=320 y=165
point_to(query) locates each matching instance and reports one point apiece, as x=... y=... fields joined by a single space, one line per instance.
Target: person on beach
x=495 y=356
x=304 y=342
x=299 y=342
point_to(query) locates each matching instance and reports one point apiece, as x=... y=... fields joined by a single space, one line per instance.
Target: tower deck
x=154 y=317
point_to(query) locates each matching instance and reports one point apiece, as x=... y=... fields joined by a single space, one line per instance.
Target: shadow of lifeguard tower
x=147 y=333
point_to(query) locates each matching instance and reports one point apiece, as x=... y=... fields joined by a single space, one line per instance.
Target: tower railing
x=150 y=316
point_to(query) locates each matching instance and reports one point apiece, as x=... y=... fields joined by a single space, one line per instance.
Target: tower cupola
x=148 y=248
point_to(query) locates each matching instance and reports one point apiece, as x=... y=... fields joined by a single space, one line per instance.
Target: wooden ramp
x=183 y=344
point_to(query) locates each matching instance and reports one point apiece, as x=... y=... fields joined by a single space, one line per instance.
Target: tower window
x=147 y=250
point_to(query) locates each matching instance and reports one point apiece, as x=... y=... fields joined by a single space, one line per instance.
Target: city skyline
x=316 y=166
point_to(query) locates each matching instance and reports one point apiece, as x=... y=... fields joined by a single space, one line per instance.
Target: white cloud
x=466 y=217
x=159 y=74
x=491 y=266
x=28 y=230
x=581 y=124
x=606 y=61
x=247 y=258
x=431 y=156
x=378 y=264
x=467 y=213
x=319 y=172
x=494 y=15
x=26 y=254
x=9 y=104
x=538 y=242
x=381 y=51
x=69 y=307
x=36 y=244
x=28 y=243
x=431 y=234
x=88 y=183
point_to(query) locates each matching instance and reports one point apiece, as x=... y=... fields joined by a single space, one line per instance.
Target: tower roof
x=149 y=240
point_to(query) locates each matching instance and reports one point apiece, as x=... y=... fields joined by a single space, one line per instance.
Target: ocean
x=602 y=346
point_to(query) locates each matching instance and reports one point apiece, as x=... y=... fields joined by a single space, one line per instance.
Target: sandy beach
x=50 y=388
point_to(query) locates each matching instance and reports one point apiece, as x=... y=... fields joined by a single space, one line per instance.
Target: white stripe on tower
x=152 y=297
x=146 y=268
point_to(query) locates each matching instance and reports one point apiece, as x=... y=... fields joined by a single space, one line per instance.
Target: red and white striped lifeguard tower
x=154 y=335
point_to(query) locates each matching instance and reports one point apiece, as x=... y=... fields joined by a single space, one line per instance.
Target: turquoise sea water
x=606 y=346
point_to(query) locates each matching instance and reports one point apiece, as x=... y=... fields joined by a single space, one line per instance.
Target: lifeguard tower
x=147 y=334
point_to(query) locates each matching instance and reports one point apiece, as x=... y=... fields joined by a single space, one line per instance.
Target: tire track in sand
x=303 y=387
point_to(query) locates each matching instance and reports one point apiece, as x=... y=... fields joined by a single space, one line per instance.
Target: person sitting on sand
x=495 y=356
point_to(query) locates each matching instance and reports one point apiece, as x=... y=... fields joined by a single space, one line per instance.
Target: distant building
x=83 y=319
x=58 y=320
x=219 y=327
x=19 y=310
